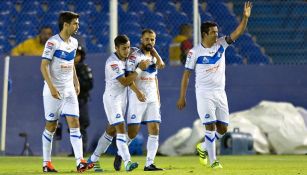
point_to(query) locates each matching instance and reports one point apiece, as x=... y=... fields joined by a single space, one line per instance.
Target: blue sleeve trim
x=208 y=123
x=224 y=123
x=44 y=58
x=119 y=76
x=69 y=115
x=189 y=69
x=114 y=124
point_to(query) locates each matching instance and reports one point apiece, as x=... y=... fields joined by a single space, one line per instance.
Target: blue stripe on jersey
x=65 y=55
x=211 y=59
x=151 y=68
x=119 y=76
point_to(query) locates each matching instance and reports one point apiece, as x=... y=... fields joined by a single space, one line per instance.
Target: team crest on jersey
x=115 y=67
x=205 y=60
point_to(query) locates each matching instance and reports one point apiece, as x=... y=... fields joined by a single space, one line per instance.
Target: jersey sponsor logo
x=118 y=115
x=189 y=58
x=50 y=45
x=213 y=69
x=115 y=67
x=147 y=79
x=132 y=59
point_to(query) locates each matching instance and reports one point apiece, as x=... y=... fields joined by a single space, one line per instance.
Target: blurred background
x=268 y=62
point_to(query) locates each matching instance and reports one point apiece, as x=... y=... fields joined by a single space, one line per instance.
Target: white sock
x=128 y=142
x=76 y=142
x=121 y=143
x=47 y=138
x=203 y=145
x=103 y=144
x=210 y=145
x=218 y=136
x=152 y=148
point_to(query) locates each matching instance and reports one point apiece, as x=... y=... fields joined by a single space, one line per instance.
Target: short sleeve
x=116 y=69
x=131 y=62
x=191 y=60
x=49 y=49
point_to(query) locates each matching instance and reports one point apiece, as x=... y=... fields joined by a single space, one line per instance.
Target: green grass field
x=233 y=165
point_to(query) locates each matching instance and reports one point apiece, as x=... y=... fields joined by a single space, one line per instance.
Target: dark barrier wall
x=246 y=86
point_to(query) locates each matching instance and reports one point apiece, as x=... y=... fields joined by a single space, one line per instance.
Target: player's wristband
x=138 y=70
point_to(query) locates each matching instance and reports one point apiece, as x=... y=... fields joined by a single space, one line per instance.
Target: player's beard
x=147 y=47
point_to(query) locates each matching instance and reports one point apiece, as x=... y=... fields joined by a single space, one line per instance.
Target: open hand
x=247 y=9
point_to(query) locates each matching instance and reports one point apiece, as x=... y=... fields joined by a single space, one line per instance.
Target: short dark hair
x=184 y=28
x=44 y=27
x=148 y=31
x=205 y=27
x=66 y=16
x=120 y=40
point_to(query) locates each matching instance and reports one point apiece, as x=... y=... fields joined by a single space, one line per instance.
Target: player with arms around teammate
x=144 y=101
x=61 y=89
x=114 y=100
x=208 y=60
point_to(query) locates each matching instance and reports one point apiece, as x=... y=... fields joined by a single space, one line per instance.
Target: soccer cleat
x=97 y=167
x=49 y=168
x=82 y=166
x=117 y=162
x=216 y=165
x=131 y=166
x=152 y=167
x=203 y=155
x=90 y=164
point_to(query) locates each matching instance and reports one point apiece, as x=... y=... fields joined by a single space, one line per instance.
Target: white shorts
x=115 y=108
x=55 y=108
x=212 y=106
x=143 y=112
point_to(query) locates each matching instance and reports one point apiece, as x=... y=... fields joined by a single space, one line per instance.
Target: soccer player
x=208 y=60
x=144 y=101
x=61 y=89
x=114 y=99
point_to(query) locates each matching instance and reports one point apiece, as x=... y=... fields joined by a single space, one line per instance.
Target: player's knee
x=154 y=128
x=51 y=126
x=111 y=131
x=211 y=127
x=132 y=134
x=73 y=122
x=221 y=129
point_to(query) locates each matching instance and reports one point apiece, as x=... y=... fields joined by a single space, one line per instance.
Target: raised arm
x=160 y=62
x=241 y=28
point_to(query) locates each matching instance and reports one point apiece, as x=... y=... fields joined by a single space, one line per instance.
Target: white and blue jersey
x=209 y=65
x=146 y=80
x=61 y=54
x=114 y=69
x=115 y=94
x=148 y=111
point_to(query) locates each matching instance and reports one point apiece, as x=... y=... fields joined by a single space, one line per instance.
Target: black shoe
x=117 y=162
x=152 y=167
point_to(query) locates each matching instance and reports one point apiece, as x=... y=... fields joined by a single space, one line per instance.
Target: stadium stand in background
x=276 y=31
